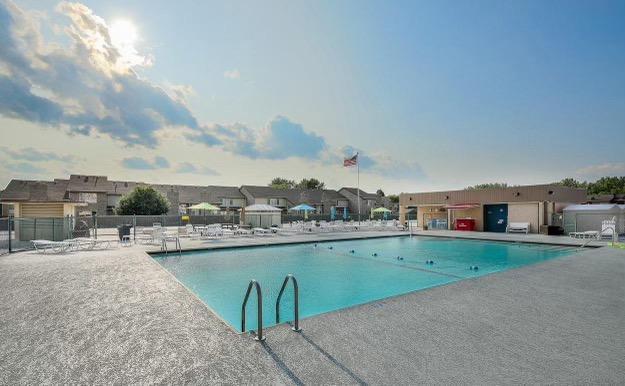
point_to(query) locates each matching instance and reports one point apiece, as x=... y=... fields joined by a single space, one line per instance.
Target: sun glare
x=123 y=33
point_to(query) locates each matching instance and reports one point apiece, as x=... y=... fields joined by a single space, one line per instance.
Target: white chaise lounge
x=518 y=227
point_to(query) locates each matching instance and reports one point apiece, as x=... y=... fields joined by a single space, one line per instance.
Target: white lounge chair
x=43 y=246
x=518 y=227
x=585 y=235
x=262 y=232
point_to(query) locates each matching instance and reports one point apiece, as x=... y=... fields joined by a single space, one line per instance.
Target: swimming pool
x=340 y=274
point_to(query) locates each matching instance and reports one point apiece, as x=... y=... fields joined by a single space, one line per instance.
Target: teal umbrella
x=303 y=208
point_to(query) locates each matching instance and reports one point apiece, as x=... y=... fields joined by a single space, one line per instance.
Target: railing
x=259 y=295
x=296 y=302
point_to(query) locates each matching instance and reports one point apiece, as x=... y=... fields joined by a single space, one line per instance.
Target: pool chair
x=585 y=235
x=262 y=232
x=518 y=227
x=608 y=229
x=188 y=231
x=44 y=246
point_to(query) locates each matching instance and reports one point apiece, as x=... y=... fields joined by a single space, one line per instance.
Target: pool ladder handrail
x=259 y=296
x=164 y=245
x=295 y=300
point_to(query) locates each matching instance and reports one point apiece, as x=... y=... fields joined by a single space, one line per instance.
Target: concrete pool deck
x=118 y=317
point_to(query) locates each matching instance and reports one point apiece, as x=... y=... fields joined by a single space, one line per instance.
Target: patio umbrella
x=205 y=206
x=304 y=208
x=381 y=210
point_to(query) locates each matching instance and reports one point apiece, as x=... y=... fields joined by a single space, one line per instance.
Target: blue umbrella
x=333 y=213
x=302 y=207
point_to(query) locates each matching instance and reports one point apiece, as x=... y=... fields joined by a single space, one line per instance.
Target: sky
x=431 y=94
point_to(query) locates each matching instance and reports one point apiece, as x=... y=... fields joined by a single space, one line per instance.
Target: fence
x=16 y=234
x=5 y=236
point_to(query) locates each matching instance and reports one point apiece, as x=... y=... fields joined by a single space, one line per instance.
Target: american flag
x=347 y=162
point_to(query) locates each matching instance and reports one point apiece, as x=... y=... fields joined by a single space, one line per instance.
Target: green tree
x=394 y=198
x=282 y=183
x=490 y=185
x=379 y=193
x=143 y=201
x=607 y=185
x=310 y=183
x=573 y=183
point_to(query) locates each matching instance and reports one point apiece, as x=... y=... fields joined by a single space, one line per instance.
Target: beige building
x=491 y=210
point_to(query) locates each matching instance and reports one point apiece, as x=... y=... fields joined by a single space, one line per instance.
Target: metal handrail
x=296 y=300
x=259 y=295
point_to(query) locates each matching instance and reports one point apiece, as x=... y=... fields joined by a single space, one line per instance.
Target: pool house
x=490 y=210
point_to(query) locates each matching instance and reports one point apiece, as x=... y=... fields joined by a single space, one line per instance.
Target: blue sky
x=435 y=95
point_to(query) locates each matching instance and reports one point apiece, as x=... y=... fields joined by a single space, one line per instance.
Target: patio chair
x=43 y=246
x=518 y=227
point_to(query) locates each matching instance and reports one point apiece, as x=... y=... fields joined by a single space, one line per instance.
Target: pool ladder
x=259 y=299
x=177 y=243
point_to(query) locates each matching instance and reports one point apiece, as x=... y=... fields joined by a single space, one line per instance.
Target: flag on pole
x=353 y=161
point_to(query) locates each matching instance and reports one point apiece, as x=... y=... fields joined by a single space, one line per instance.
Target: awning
x=461 y=206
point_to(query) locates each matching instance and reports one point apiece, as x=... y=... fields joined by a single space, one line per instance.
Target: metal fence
x=16 y=234
x=5 y=236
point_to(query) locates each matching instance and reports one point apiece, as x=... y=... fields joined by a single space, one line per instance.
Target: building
x=321 y=199
x=97 y=194
x=368 y=201
x=40 y=199
x=88 y=194
x=491 y=209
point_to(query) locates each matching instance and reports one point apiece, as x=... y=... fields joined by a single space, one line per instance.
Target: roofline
x=503 y=188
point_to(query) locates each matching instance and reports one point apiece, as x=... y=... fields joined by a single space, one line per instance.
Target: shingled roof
x=36 y=191
x=363 y=194
x=294 y=196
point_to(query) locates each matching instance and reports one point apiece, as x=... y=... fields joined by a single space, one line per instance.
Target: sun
x=123 y=34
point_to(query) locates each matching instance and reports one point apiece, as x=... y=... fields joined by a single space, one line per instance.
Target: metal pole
x=9 y=222
x=35 y=229
x=95 y=226
x=134 y=227
x=358 y=184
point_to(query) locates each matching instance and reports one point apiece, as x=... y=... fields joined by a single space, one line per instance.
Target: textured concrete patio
x=117 y=317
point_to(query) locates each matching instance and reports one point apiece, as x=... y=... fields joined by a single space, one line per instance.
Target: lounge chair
x=585 y=235
x=43 y=246
x=262 y=232
x=518 y=227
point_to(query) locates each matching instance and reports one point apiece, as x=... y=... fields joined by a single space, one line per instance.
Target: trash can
x=124 y=230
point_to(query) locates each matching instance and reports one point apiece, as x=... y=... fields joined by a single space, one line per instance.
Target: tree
x=607 y=185
x=393 y=198
x=490 y=185
x=573 y=183
x=282 y=183
x=310 y=183
x=379 y=193
x=143 y=201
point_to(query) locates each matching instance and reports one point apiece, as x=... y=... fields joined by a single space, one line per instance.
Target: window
x=227 y=202
x=274 y=201
x=89 y=198
x=341 y=203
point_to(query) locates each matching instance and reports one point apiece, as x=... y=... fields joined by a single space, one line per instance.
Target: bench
x=521 y=227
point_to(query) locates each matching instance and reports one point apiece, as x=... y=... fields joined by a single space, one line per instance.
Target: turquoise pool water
x=332 y=277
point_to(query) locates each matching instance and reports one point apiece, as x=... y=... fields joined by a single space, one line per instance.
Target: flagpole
x=358 y=184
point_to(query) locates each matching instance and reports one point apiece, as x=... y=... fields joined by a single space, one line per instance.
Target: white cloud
x=602 y=170
x=232 y=74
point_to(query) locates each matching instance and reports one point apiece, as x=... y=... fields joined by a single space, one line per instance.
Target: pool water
x=331 y=276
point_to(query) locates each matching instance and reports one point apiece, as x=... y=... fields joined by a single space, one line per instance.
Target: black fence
x=17 y=234
x=5 y=236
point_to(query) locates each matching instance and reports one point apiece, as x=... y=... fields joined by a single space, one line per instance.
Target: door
x=495 y=218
